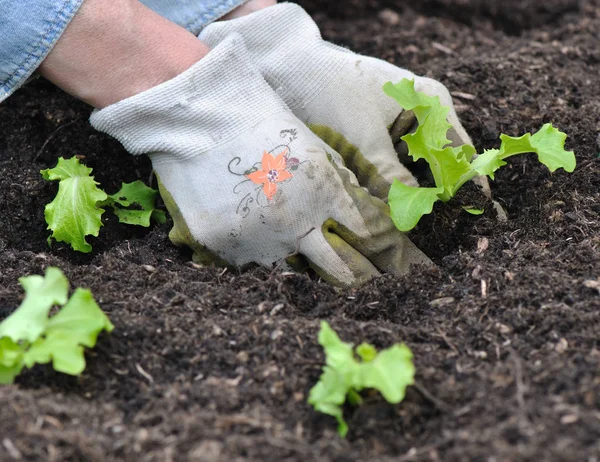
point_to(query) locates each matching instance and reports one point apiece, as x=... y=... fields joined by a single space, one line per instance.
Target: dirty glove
x=246 y=182
x=336 y=92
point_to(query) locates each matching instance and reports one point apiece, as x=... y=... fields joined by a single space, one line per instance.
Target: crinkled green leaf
x=30 y=320
x=451 y=170
x=344 y=375
x=427 y=109
x=353 y=397
x=448 y=165
x=472 y=210
x=488 y=162
x=492 y=159
x=452 y=167
x=389 y=373
x=329 y=394
x=134 y=204
x=74 y=212
x=11 y=360
x=28 y=336
x=8 y=374
x=76 y=325
x=466 y=151
x=159 y=216
x=425 y=139
x=366 y=351
x=338 y=354
x=11 y=353
x=65 y=354
x=549 y=144
x=408 y=204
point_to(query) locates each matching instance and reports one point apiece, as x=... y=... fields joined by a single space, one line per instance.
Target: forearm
x=112 y=50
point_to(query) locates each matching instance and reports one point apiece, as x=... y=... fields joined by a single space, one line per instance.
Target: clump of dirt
x=209 y=365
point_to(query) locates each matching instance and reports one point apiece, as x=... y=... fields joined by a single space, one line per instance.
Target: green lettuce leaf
x=77 y=209
x=338 y=354
x=11 y=360
x=472 y=210
x=74 y=212
x=408 y=204
x=328 y=396
x=448 y=165
x=427 y=109
x=134 y=204
x=548 y=143
x=76 y=325
x=41 y=294
x=28 y=336
x=346 y=373
x=390 y=372
x=452 y=167
x=366 y=352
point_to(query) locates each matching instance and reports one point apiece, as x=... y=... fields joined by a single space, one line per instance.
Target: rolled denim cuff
x=28 y=31
x=194 y=15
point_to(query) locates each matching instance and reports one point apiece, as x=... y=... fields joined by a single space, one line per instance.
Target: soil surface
x=214 y=365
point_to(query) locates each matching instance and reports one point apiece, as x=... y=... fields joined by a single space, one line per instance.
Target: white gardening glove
x=336 y=92
x=247 y=182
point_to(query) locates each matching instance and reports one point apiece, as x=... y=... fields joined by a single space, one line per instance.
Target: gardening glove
x=336 y=92
x=247 y=182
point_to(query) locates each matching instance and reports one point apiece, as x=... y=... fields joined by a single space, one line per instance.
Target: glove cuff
x=286 y=45
x=213 y=102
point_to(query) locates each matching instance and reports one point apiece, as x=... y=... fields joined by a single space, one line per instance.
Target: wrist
x=113 y=50
x=206 y=106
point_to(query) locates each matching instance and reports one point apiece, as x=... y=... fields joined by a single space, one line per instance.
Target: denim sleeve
x=192 y=14
x=28 y=31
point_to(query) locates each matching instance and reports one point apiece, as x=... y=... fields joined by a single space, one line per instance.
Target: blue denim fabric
x=192 y=14
x=30 y=28
x=28 y=31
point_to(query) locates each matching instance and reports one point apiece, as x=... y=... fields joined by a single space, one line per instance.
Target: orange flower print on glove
x=273 y=172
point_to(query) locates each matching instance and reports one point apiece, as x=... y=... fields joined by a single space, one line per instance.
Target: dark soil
x=214 y=365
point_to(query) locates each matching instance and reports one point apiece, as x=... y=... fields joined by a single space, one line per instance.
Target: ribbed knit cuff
x=214 y=101
x=286 y=45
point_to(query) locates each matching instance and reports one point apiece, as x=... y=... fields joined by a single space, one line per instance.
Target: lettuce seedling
x=348 y=371
x=134 y=204
x=77 y=209
x=28 y=336
x=452 y=167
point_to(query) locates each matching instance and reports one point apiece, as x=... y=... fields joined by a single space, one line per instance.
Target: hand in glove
x=247 y=182
x=336 y=92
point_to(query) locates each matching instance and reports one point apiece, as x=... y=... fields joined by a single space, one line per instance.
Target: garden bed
x=207 y=364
